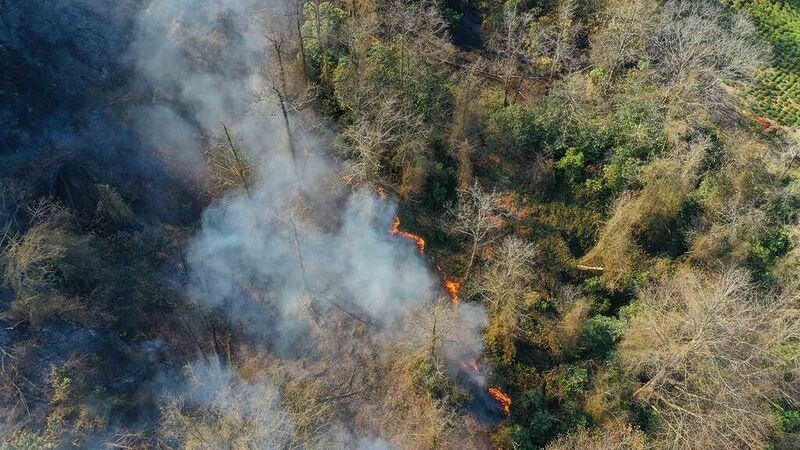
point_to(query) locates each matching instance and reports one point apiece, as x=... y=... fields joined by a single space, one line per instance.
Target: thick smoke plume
x=266 y=256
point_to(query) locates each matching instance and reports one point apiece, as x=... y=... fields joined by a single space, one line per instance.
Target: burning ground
x=292 y=317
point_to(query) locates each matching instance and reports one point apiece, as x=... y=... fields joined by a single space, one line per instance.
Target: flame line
x=453 y=287
x=396 y=231
x=502 y=398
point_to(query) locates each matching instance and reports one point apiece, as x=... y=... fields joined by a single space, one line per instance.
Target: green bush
x=600 y=334
x=513 y=437
x=572 y=165
x=513 y=131
x=765 y=253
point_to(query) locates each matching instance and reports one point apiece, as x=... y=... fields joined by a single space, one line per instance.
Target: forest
x=399 y=224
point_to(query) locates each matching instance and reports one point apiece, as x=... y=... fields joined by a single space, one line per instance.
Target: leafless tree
x=734 y=212
x=296 y=16
x=564 y=333
x=697 y=49
x=33 y=260
x=626 y=29
x=555 y=38
x=504 y=287
x=476 y=215
x=791 y=152
x=613 y=436
x=420 y=29
x=222 y=411
x=507 y=273
x=424 y=346
x=713 y=351
x=278 y=86
x=386 y=140
x=511 y=48
x=229 y=167
x=12 y=209
x=464 y=131
x=289 y=98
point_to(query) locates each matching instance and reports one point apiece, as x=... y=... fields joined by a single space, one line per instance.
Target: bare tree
x=420 y=30
x=35 y=261
x=12 y=209
x=384 y=143
x=504 y=287
x=278 y=86
x=626 y=29
x=613 y=436
x=712 y=349
x=697 y=49
x=297 y=16
x=222 y=411
x=508 y=271
x=791 y=151
x=464 y=131
x=229 y=167
x=289 y=98
x=511 y=48
x=419 y=403
x=556 y=38
x=476 y=215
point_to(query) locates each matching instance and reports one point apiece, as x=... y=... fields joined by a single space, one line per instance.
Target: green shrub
x=513 y=437
x=572 y=165
x=600 y=334
x=513 y=131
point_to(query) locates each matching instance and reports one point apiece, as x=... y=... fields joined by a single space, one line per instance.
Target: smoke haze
x=271 y=259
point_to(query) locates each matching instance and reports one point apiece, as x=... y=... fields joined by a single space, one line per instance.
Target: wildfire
x=396 y=231
x=502 y=398
x=452 y=286
x=470 y=366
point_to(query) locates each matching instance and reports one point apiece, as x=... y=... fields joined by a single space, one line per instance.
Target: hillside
x=395 y=224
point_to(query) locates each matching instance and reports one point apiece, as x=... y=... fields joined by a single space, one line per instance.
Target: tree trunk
x=237 y=160
x=471 y=259
x=302 y=48
x=506 y=82
x=296 y=238
x=281 y=93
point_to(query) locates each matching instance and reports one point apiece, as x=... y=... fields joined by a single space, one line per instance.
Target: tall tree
x=511 y=48
x=476 y=216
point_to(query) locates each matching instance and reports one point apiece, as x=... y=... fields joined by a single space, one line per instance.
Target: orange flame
x=396 y=231
x=452 y=286
x=502 y=398
x=470 y=366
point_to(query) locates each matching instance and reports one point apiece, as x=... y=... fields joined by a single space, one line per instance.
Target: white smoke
x=268 y=257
